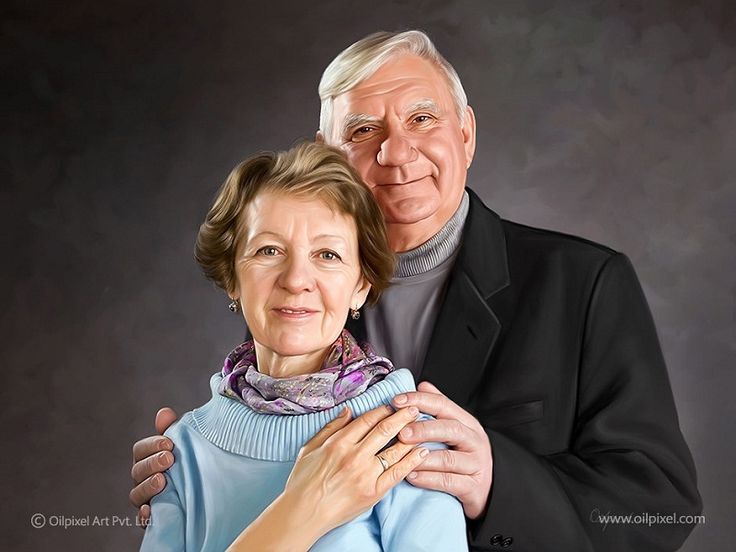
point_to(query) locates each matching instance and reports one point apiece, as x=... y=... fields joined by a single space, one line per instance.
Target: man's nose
x=396 y=149
x=297 y=275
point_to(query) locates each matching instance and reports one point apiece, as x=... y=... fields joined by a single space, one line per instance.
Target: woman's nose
x=396 y=149
x=297 y=275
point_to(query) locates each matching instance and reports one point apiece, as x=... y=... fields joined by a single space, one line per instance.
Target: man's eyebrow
x=423 y=105
x=357 y=119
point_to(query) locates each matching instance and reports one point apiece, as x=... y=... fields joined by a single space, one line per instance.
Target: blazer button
x=506 y=542
x=496 y=539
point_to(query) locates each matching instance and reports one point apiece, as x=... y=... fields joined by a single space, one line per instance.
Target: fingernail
x=162 y=459
x=157 y=480
x=161 y=444
x=400 y=399
x=412 y=475
x=423 y=452
x=406 y=432
x=414 y=411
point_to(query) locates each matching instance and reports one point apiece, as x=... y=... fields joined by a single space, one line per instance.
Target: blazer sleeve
x=166 y=530
x=626 y=454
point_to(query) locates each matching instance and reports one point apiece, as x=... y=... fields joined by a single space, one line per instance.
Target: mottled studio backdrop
x=615 y=120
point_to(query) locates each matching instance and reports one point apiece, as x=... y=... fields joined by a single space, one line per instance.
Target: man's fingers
x=451 y=432
x=448 y=460
x=457 y=485
x=149 y=446
x=330 y=428
x=143 y=515
x=387 y=429
x=157 y=463
x=430 y=401
x=164 y=418
x=142 y=493
x=428 y=387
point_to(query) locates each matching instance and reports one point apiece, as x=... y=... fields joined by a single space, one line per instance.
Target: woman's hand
x=337 y=476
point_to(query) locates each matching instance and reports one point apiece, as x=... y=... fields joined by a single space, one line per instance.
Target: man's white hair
x=363 y=58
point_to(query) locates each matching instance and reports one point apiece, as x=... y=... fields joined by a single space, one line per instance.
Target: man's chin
x=409 y=211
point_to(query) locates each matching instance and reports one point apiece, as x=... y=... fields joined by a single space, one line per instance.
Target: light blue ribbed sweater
x=232 y=462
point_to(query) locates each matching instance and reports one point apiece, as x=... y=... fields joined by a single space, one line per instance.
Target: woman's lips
x=294 y=313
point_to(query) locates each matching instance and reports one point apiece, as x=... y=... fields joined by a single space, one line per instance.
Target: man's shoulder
x=551 y=241
x=529 y=242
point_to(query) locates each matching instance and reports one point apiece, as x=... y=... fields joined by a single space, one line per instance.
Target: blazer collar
x=467 y=328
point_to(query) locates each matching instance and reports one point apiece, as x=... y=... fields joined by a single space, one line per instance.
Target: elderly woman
x=272 y=461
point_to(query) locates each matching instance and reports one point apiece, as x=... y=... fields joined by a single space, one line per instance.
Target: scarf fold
x=348 y=370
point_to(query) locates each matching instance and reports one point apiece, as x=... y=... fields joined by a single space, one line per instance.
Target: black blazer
x=547 y=339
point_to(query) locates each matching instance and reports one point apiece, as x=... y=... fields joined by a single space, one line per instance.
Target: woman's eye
x=268 y=251
x=329 y=256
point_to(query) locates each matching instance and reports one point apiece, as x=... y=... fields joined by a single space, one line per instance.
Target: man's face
x=400 y=130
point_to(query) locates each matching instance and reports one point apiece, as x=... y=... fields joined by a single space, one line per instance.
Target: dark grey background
x=612 y=120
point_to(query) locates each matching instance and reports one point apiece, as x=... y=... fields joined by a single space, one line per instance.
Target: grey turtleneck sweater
x=401 y=324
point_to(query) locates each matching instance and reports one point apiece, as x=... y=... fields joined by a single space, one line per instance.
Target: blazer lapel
x=467 y=328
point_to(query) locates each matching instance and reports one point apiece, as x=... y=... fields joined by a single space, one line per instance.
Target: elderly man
x=547 y=378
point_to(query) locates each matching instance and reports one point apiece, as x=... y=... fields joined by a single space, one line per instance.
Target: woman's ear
x=361 y=293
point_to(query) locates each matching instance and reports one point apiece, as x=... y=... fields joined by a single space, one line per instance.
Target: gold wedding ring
x=383 y=461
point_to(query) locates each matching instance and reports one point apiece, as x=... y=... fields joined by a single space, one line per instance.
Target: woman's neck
x=279 y=366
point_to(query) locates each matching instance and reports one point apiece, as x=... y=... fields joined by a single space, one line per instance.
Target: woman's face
x=298 y=273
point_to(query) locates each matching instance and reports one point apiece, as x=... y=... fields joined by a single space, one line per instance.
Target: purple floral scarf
x=348 y=370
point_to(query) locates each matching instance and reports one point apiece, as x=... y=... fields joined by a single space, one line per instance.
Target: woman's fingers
x=328 y=431
x=396 y=473
x=388 y=428
x=395 y=452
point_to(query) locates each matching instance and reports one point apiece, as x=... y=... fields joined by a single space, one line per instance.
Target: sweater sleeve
x=626 y=456
x=420 y=520
x=165 y=533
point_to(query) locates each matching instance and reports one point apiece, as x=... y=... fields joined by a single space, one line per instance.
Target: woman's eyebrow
x=265 y=233
x=329 y=236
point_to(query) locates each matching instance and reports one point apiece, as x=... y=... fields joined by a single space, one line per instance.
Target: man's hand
x=151 y=457
x=466 y=469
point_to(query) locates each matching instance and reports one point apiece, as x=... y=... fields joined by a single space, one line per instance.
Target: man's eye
x=422 y=118
x=361 y=133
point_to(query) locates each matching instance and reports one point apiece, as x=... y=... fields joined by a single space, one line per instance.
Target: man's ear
x=319 y=137
x=468 y=131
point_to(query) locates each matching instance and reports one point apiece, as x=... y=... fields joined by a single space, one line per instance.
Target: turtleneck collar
x=436 y=249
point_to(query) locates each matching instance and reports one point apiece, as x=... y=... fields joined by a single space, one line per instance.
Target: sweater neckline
x=236 y=428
